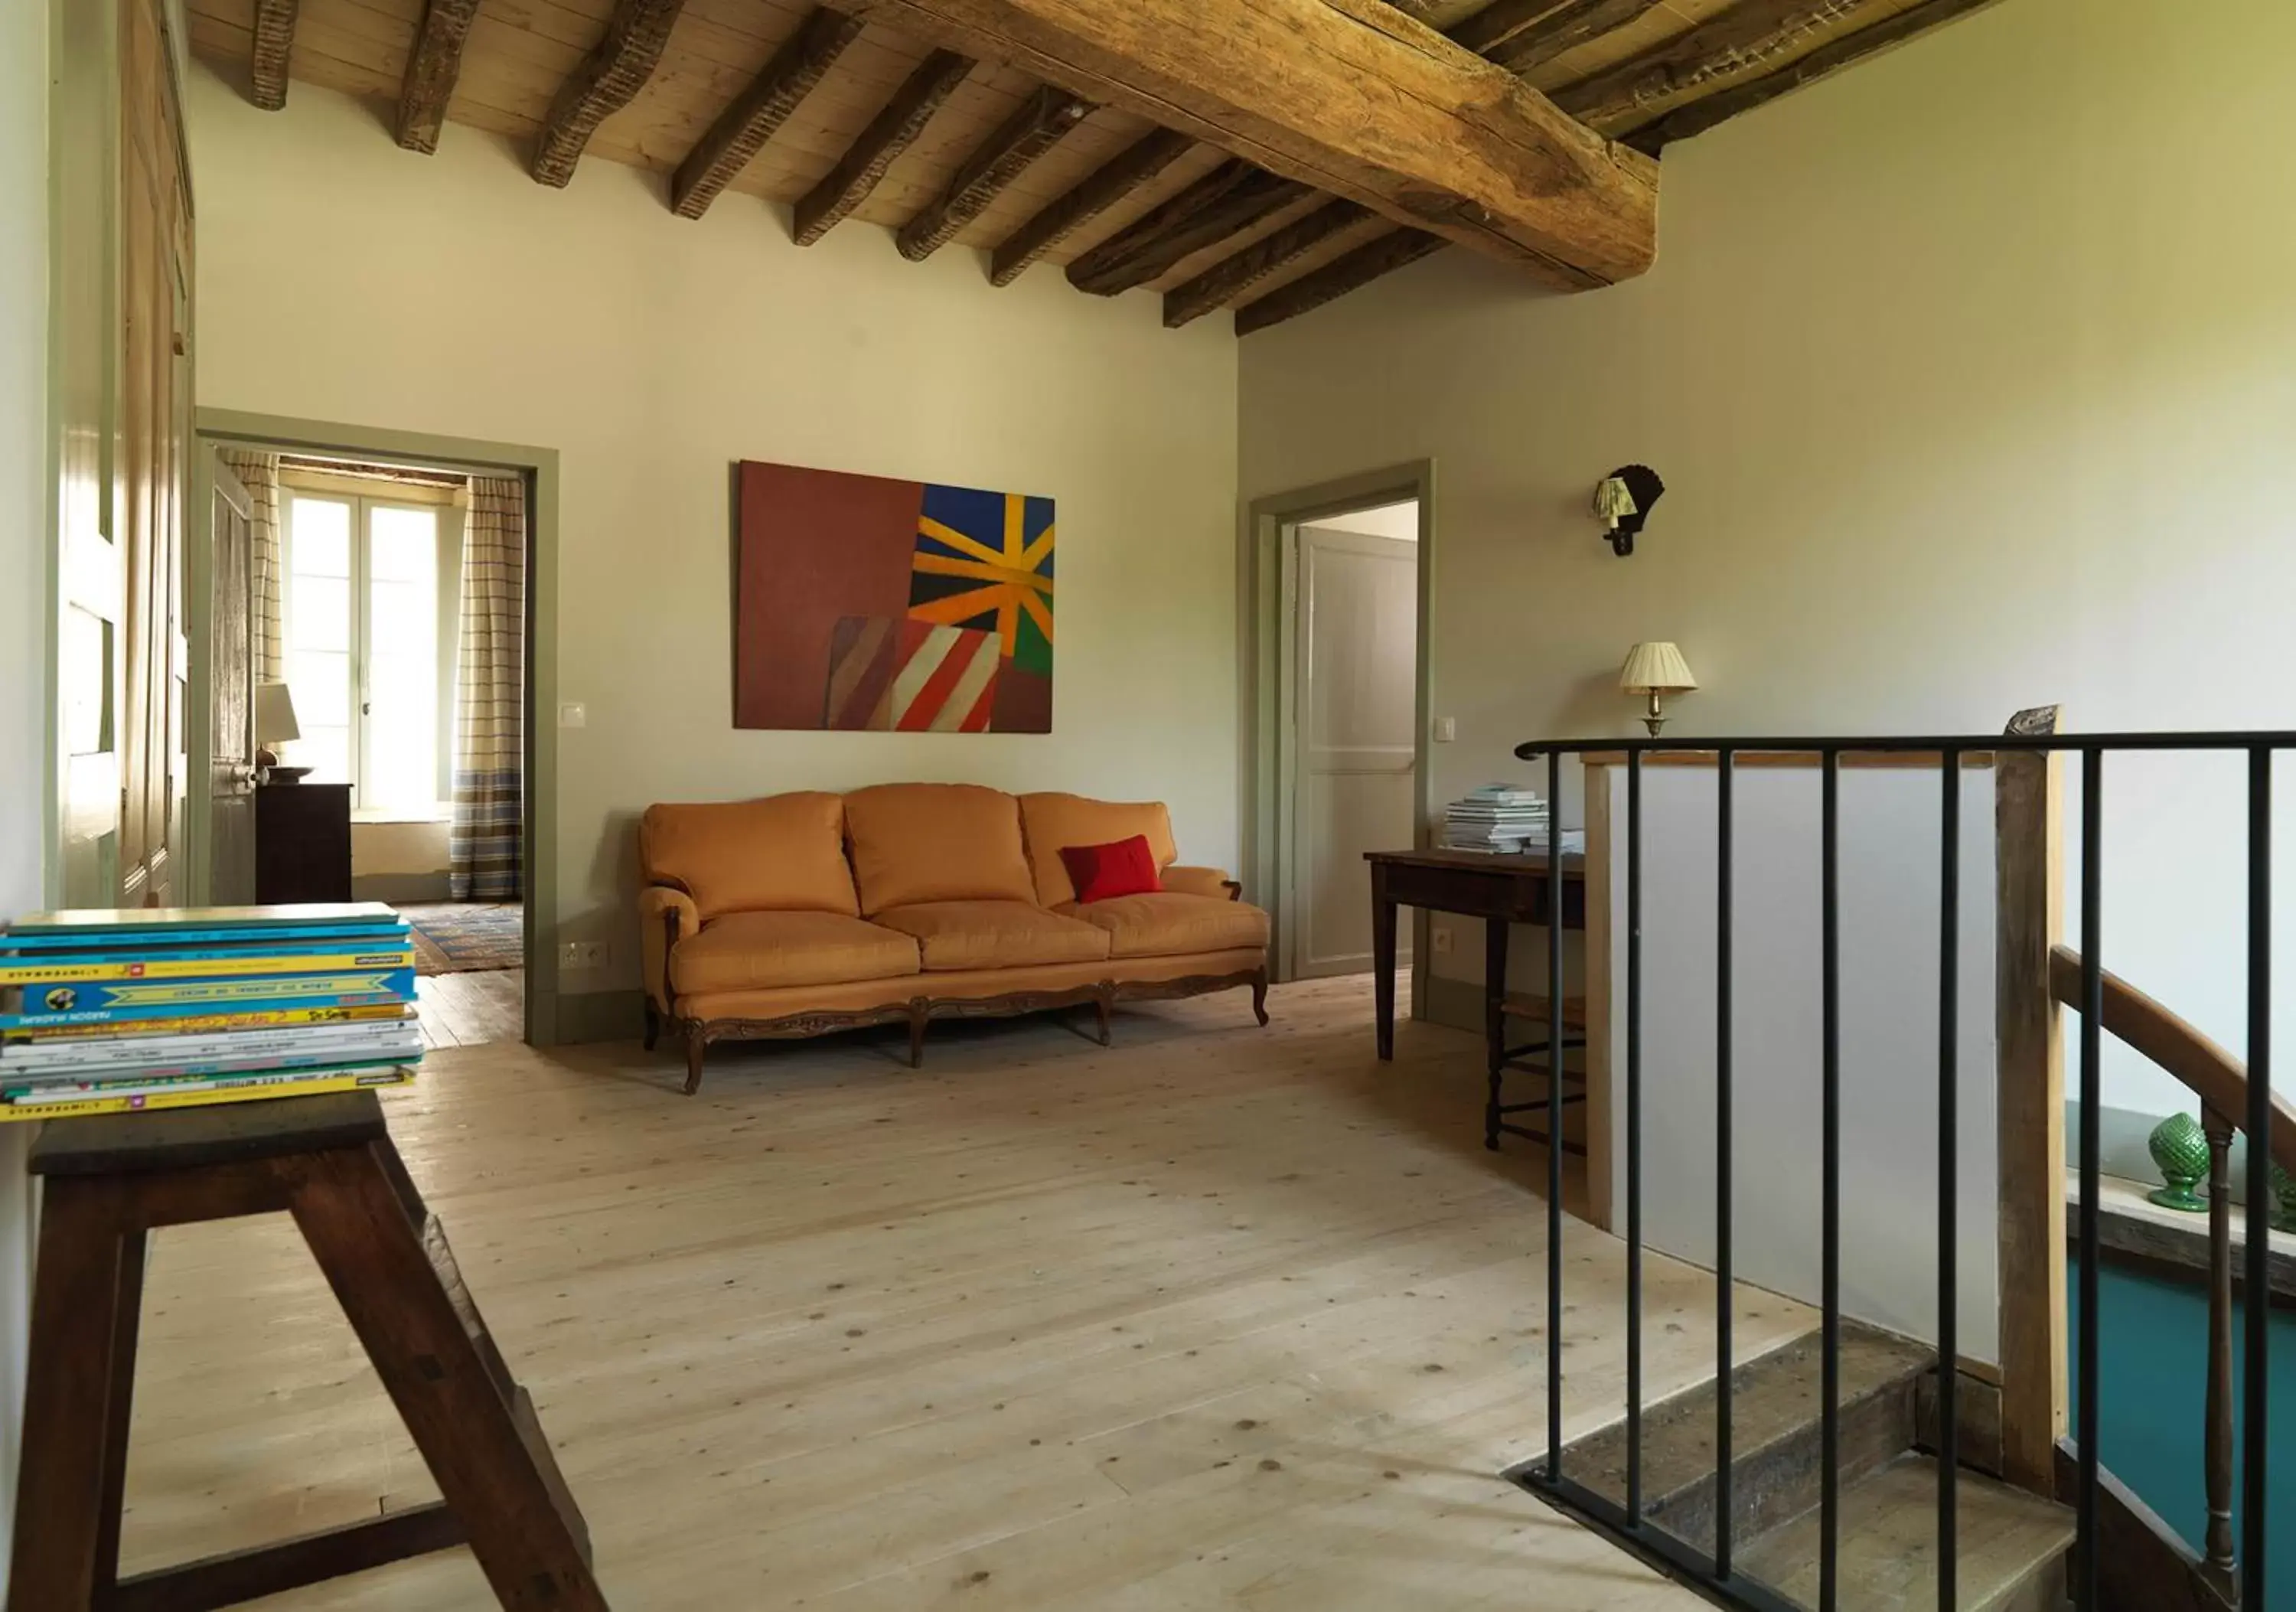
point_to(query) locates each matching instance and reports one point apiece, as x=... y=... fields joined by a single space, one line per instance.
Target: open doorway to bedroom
x=365 y=674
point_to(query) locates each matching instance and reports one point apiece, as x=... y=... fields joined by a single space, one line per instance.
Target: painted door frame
x=538 y=468
x=1267 y=575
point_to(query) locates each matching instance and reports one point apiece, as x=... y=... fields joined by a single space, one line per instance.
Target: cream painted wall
x=1973 y=376
x=341 y=278
x=26 y=529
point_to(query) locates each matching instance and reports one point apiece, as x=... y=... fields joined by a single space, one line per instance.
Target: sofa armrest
x=1200 y=881
x=658 y=906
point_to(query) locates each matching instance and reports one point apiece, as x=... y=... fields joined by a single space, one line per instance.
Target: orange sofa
x=802 y=914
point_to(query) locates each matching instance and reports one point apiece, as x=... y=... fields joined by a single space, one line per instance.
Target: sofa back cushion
x=936 y=842
x=1053 y=822
x=786 y=853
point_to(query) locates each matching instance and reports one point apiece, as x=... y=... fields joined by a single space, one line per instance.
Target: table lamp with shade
x=275 y=725
x=1655 y=671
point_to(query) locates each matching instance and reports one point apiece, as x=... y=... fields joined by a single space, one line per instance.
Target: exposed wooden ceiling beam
x=1336 y=278
x=745 y=126
x=1350 y=96
x=1232 y=197
x=432 y=67
x=847 y=185
x=608 y=79
x=1232 y=277
x=1746 y=35
x=1034 y=129
x=1696 y=117
x=274 y=43
x=1091 y=196
x=1523 y=36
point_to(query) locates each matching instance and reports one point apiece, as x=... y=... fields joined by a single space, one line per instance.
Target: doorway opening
x=361 y=675
x=1337 y=608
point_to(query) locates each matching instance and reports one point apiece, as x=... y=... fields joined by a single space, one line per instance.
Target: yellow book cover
x=81 y=1108
x=200 y=965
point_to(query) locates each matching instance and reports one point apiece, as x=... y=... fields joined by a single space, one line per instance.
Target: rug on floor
x=472 y=938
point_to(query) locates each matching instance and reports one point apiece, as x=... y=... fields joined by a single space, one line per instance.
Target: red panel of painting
x=816 y=546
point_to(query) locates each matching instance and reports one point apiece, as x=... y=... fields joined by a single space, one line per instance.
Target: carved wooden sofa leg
x=920 y=1016
x=1102 y=1007
x=697 y=1046
x=652 y=1024
x=1259 y=994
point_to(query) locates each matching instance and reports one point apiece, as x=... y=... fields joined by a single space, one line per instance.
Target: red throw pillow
x=1102 y=872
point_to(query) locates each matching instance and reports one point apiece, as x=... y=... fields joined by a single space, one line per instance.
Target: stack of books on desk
x=110 y=1012
x=1496 y=818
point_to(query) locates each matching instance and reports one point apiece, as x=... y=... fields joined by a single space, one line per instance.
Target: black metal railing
x=1715 y=1570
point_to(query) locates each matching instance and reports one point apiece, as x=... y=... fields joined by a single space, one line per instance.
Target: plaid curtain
x=259 y=473
x=483 y=853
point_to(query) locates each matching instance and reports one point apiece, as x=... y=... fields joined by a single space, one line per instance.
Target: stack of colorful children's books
x=109 y=1012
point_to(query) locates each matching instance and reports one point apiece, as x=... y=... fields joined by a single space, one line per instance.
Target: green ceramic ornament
x=2180 y=1147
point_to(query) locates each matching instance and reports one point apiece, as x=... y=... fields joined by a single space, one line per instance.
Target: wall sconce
x=1655 y=671
x=1623 y=501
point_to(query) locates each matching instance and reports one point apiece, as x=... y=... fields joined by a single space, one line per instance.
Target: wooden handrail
x=2212 y=1074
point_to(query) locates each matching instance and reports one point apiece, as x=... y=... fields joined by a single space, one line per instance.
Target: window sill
x=403 y=814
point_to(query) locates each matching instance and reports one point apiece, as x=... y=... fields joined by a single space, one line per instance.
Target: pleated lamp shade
x=1655 y=668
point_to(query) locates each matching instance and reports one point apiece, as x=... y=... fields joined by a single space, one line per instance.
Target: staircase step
x=2011 y=1546
x=1775 y=1434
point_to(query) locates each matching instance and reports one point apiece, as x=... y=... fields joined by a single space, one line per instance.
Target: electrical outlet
x=582 y=954
x=1440 y=934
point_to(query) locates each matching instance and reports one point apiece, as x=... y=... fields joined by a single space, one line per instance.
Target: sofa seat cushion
x=759 y=950
x=994 y=934
x=1166 y=922
x=915 y=843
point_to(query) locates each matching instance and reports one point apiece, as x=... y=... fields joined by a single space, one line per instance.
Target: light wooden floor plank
x=1219 y=1317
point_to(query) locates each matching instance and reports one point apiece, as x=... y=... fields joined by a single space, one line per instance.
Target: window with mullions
x=363 y=635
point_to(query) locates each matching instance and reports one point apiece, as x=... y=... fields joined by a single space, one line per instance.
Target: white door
x=1357 y=694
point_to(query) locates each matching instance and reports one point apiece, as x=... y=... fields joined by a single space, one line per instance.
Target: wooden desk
x=1503 y=891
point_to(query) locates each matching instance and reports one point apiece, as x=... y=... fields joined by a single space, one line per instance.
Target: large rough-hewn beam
x=1091 y=196
x=1350 y=96
x=1234 y=196
x=1336 y=278
x=1034 y=129
x=1232 y=277
x=1696 y=117
x=891 y=132
x=608 y=78
x=431 y=69
x=1523 y=36
x=274 y=43
x=1748 y=35
x=745 y=126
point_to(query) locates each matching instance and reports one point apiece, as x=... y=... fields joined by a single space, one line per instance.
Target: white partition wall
x=1890 y=824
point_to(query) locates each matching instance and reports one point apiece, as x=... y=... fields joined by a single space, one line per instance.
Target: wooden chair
x=329 y=1162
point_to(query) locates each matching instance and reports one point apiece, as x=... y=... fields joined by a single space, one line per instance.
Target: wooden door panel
x=231 y=690
x=153 y=428
x=1358 y=640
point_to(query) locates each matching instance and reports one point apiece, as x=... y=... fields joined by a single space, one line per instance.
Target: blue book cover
x=165 y=920
x=160 y=943
x=125 y=1000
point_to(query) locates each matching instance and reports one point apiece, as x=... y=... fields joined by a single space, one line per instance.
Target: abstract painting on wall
x=893 y=606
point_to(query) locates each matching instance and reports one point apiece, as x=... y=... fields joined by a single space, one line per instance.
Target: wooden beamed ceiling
x=1265 y=156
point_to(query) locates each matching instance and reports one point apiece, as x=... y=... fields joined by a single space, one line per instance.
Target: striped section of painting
x=888 y=675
